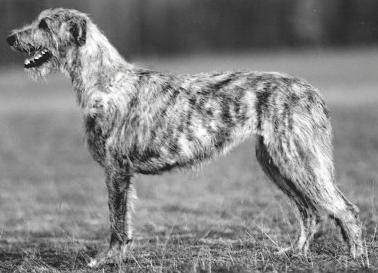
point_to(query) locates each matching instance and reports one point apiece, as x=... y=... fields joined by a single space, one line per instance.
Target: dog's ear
x=78 y=29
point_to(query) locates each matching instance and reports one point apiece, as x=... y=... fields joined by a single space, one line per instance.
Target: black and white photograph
x=188 y=136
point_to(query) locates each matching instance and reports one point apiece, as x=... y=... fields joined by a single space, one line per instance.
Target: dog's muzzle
x=35 y=56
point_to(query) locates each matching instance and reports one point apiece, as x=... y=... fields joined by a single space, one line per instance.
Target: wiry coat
x=178 y=120
x=147 y=122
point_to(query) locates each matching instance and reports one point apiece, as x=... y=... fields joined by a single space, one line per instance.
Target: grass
x=223 y=217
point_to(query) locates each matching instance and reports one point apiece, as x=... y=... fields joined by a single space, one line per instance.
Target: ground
x=225 y=216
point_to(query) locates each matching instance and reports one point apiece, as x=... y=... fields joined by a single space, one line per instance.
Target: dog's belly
x=183 y=150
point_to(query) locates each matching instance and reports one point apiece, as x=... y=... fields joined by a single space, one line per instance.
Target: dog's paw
x=101 y=259
x=358 y=251
x=111 y=256
x=283 y=251
x=291 y=252
x=286 y=252
x=114 y=255
x=96 y=262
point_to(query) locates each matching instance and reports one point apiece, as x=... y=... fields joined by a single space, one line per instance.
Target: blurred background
x=164 y=27
x=52 y=194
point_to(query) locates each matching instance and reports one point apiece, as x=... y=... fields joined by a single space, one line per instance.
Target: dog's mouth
x=37 y=58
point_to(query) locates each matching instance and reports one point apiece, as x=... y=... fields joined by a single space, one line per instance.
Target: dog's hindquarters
x=294 y=147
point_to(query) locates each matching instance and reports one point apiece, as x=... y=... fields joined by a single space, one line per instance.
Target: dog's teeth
x=27 y=61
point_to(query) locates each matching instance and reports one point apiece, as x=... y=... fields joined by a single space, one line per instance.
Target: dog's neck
x=93 y=63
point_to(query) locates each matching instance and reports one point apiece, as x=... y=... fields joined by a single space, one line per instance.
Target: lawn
x=225 y=216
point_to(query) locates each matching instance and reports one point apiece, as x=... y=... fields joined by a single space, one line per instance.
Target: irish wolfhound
x=139 y=121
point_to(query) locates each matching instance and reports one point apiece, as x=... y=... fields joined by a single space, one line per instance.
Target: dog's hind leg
x=345 y=214
x=304 y=171
x=121 y=195
x=307 y=214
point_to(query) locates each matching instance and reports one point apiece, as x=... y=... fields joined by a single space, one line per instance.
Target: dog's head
x=50 y=40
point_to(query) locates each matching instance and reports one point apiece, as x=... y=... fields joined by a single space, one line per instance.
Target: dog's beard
x=42 y=71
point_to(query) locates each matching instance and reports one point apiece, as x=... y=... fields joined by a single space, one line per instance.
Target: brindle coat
x=147 y=122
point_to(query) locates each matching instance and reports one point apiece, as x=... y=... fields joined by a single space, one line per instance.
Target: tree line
x=145 y=27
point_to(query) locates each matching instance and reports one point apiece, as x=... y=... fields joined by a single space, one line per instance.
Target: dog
x=139 y=121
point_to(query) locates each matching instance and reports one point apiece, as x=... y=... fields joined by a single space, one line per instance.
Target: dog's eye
x=42 y=24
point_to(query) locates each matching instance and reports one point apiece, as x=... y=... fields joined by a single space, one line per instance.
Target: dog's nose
x=11 y=39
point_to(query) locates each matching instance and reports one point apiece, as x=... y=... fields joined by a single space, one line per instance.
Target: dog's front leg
x=121 y=195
